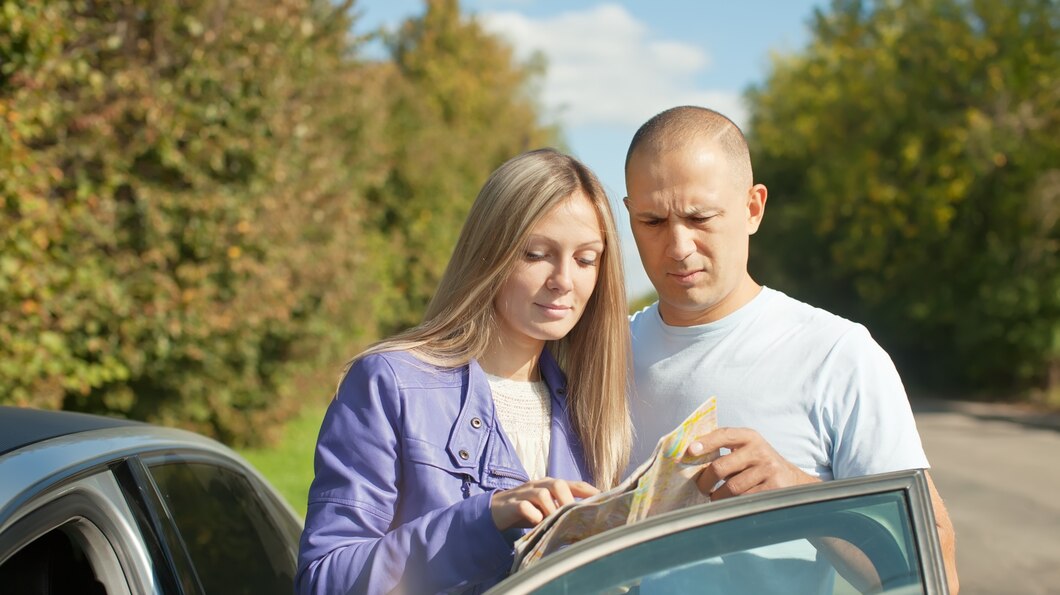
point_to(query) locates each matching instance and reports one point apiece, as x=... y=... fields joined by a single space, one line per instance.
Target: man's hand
x=751 y=466
x=528 y=504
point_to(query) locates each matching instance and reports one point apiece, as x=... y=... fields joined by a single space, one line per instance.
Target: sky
x=612 y=65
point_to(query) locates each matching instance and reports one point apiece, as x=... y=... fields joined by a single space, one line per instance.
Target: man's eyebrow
x=699 y=210
x=648 y=213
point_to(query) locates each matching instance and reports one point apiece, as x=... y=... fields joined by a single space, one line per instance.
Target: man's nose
x=680 y=243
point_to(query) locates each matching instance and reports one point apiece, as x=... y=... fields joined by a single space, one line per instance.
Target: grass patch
x=288 y=465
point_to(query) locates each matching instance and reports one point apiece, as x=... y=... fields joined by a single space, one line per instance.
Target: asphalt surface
x=998 y=470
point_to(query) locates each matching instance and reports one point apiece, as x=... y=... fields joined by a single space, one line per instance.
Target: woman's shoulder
x=405 y=366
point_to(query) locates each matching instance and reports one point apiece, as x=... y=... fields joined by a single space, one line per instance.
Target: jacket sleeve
x=349 y=543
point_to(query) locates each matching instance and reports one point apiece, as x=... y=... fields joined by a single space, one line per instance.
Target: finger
x=733 y=463
x=723 y=492
x=542 y=499
x=730 y=438
x=707 y=479
x=561 y=492
x=720 y=469
x=745 y=482
x=582 y=489
x=529 y=513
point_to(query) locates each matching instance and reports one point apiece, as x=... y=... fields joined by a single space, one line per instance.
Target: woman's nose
x=560 y=279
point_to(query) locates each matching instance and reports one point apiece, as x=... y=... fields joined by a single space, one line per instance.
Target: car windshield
x=848 y=545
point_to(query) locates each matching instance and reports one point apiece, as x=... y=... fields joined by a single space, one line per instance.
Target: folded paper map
x=665 y=482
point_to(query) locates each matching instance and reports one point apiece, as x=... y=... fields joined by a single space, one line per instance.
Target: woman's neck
x=507 y=361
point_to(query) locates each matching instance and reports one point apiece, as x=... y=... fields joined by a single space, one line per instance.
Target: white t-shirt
x=817 y=387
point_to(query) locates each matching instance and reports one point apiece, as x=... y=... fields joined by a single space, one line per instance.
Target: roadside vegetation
x=204 y=203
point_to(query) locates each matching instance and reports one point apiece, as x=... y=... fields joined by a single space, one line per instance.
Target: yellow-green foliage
x=458 y=109
x=191 y=197
x=912 y=152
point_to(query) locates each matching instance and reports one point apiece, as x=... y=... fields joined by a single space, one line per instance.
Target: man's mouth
x=685 y=277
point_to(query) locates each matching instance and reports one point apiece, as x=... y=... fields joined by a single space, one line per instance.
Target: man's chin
x=686 y=304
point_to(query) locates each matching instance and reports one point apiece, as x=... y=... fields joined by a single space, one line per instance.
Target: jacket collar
x=468 y=441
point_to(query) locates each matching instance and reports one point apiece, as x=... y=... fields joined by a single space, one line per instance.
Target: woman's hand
x=528 y=504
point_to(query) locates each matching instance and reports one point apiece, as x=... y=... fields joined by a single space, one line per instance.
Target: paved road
x=998 y=470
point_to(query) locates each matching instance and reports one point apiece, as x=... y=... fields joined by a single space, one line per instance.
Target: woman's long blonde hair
x=461 y=321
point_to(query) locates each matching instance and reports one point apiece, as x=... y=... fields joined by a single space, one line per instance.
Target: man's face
x=691 y=220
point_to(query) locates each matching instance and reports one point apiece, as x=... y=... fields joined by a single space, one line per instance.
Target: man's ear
x=625 y=201
x=756 y=207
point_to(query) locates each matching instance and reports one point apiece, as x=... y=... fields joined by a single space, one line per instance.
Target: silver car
x=96 y=505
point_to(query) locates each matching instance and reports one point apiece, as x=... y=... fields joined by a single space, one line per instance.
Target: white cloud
x=606 y=67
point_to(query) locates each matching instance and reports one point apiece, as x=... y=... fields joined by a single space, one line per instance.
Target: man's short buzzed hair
x=678 y=127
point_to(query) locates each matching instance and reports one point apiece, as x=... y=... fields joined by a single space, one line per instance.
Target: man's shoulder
x=819 y=330
x=644 y=318
x=812 y=318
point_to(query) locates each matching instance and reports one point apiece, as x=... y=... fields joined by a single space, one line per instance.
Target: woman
x=445 y=442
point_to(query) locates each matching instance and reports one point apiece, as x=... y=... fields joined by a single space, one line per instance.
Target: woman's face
x=546 y=294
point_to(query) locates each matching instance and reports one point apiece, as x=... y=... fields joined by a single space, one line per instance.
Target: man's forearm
x=947 y=537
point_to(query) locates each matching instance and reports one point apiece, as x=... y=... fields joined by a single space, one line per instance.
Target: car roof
x=79 y=444
x=21 y=426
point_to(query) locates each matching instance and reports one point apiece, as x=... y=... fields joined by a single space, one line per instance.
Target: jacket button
x=476 y=423
x=464 y=454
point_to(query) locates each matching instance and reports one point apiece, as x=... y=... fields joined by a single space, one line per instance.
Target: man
x=803 y=395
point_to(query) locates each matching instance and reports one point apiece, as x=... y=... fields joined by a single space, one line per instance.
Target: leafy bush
x=191 y=195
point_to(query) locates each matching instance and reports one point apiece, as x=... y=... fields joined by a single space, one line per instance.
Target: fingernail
x=695 y=448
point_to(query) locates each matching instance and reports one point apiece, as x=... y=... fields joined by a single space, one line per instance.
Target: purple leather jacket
x=407 y=458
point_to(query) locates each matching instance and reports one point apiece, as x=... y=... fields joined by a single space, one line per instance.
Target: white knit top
x=524 y=410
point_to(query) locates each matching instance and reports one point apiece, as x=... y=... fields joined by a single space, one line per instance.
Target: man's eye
x=653 y=222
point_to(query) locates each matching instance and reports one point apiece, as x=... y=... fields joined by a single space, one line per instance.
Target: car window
x=55 y=562
x=235 y=545
x=850 y=545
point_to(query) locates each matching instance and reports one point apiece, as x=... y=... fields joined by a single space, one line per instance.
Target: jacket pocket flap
x=426 y=453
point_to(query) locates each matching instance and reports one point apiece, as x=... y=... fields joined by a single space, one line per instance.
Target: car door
x=870 y=534
x=218 y=525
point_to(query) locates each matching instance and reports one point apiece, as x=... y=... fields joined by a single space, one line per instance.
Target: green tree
x=202 y=202
x=912 y=152
x=175 y=205
x=459 y=106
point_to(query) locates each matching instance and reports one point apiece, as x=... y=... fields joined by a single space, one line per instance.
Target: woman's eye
x=588 y=259
x=534 y=255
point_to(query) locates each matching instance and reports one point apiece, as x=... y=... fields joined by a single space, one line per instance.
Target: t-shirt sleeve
x=871 y=423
